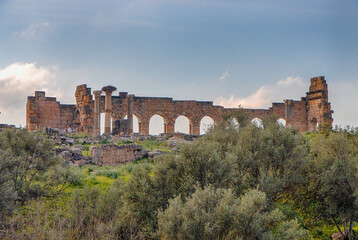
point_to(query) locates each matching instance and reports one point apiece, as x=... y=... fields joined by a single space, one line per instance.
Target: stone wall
x=146 y=107
x=318 y=108
x=112 y=154
x=306 y=114
x=42 y=111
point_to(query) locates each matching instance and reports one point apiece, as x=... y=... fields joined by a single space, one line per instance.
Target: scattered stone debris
x=104 y=149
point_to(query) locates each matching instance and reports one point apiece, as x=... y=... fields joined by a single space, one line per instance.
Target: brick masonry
x=306 y=114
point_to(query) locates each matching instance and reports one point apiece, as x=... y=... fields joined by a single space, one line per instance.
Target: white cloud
x=291 y=81
x=19 y=80
x=289 y=88
x=224 y=76
x=32 y=30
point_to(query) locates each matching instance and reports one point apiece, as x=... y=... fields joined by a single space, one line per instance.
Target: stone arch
x=282 y=122
x=257 y=122
x=214 y=117
x=205 y=123
x=179 y=113
x=182 y=124
x=156 y=124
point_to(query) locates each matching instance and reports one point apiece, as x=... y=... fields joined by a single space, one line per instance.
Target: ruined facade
x=84 y=117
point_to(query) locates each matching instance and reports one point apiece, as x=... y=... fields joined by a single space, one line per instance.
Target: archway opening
x=156 y=125
x=205 y=124
x=103 y=122
x=135 y=123
x=281 y=122
x=234 y=122
x=315 y=124
x=257 y=122
x=182 y=124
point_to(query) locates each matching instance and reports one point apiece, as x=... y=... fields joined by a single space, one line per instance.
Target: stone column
x=130 y=99
x=194 y=128
x=108 y=108
x=144 y=128
x=97 y=113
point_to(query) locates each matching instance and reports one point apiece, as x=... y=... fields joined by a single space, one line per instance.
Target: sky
x=232 y=52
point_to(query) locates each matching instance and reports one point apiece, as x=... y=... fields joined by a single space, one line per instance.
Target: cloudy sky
x=232 y=52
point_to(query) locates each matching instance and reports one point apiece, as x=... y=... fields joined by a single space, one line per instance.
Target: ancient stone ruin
x=84 y=116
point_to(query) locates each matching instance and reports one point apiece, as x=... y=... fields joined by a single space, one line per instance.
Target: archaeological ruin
x=84 y=116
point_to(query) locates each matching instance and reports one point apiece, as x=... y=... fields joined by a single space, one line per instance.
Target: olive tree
x=333 y=181
x=218 y=214
x=28 y=167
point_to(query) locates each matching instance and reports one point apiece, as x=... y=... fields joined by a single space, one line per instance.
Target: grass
x=78 y=136
x=105 y=175
x=124 y=142
x=86 y=153
x=151 y=145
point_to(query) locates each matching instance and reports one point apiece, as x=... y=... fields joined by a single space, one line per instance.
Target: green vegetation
x=28 y=169
x=152 y=144
x=233 y=183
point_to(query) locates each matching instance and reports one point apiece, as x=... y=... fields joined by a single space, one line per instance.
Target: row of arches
x=182 y=124
x=258 y=122
x=156 y=124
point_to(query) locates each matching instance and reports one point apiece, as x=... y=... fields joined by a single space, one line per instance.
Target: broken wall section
x=42 y=111
x=84 y=119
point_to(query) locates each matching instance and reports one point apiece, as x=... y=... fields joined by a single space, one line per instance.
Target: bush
x=28 y=168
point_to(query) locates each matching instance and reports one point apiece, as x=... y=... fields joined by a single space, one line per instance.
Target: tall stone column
x=130 y=99
x=108 y=108
x=97 y=113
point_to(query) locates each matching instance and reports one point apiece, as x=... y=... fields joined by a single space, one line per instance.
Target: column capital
x=97 y=93
x=109 y=89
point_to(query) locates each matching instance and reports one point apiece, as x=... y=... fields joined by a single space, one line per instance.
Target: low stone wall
x=112 y=154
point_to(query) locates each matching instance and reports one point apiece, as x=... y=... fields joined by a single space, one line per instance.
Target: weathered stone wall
x=306 y=114
x=146 y=107
x=42 y=111
x=318 y=108
x=112 y=154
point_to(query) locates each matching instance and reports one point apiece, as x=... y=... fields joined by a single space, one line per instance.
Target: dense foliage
x=28 y=168
x=236 y=182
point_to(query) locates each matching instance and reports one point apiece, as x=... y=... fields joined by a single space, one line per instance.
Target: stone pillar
x=97 y=113
x=108 y=108
x=169 y=127
x=144 y=128
x=130 y=99
x=288 y=112
x=194 y=128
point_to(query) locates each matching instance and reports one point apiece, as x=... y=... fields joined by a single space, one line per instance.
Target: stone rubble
x=103 y=151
